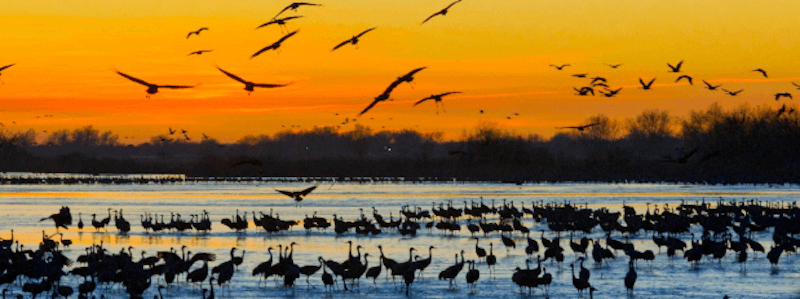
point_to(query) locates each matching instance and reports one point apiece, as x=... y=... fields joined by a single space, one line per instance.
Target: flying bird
x=297 y=195
x=438 y=99
x=711 y=87
x=196 y=32
x=676 y=68
x=560 y=67
x=199 y=52
x=685 y=77
x=580 y=75
x=584 y=91
x=598 y=78
x=385 y=95
x=281 y=22
x=732 y=93
x=763 y=72
x=294 y=6
x=646 y=86
x=354 y=40
x=5 y=67
x=613 y=66
x=610 y=92
x=153 y=88
x=249 y=86
x=442 y=12
x=171 y=131
x=783 y=94
x=580 y=128
x=795 y=84
x=275 y=45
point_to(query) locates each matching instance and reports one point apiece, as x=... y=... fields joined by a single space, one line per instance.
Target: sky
x=497 y=53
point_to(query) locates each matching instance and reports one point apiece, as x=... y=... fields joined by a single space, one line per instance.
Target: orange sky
x=496 y=52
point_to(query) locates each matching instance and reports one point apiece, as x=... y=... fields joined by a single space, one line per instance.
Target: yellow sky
x=496 y=52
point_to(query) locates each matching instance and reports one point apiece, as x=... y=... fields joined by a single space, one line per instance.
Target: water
x=23 y=206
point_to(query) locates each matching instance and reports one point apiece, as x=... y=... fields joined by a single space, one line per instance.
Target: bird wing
x=641 y=82
x=433 y=15
x=287 y=193
x=307 y=190
x=10 y=65
x=282 y=10
x=201 y=29
x=342 y=44
x=134 y=79
x=271 y=85
x=651 y=82
x=267 y=48
x=391 y=87
x=411 y=73
x=365 y=31
x=176 y=86
x=287 y=36
x=449 y=93
x=451 y=4
x=679 y=65
x=591 y=125
x=378 y=99
x=234 y=77
x=190 y=34
x=423 y=100
x=725 y=90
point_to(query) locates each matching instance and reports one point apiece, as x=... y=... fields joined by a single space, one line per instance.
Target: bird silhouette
x=276 y=45
x=438 y=99
x=560 y=67
x=732 y=93
x=354 y=40
x=611 y=92
x=281 y=22
x=763 y=72
x=711 y=87
x=153 y=88
x=442 y=12
x=648 y=85
x=171 y=131
x=598 y=78
x=580 y=75
x=409 y=77
x=249 y=86
x=685 y=77
x=795 y=84
x=196 y=32
x=676 y=68
x=579 y=128
x=783 y=94
x=297 y=195
x=294 y=6
x=584 y=90
x=199 y=52
x=613 y=66
x=5 y=67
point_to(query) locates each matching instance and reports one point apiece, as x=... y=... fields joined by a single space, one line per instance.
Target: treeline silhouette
x=741 y=145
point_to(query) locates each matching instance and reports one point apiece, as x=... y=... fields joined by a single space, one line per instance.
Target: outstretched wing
x=234 y=77
x=423 y=100
x=365 y=31
x=287 y=36
x=651 y=82
x=411 y=73
x=271 y=85
x=451 y=5
x=133 y=79
x=267 y=24
x=449 y=93
x=679 y=65
x=641 y=82
x=176 y=86
x=10 y=65
x=287 y=193
x=267 y=48
x=378 y=99
x=433 y=15
x=307 y=190
x=341 y=44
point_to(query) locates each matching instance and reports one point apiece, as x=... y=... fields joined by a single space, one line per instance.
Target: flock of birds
x=726 y=227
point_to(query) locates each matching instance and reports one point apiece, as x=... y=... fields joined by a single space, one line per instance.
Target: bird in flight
x=685 y=77
x=646 y=86
x=795 y=84
x=732 y=93
x=153 y=88
x=294 y=6
x=613 y=66
x=580 y=75
x=560 y=67
x=711 y=87
x=5 y=67
x=281 y=22
x=275 y=45
x=584 y=91
x=598 y=78
x=781 y=111
x=783 y=94
x=385 y=95
x=442 y=12
x=611 y=92
x=196 y=32
x=171 y=131
x=676 y=68
x=763 y=72
x=297 y=195
x=579 y=128
x=199 y=52
x=601 y=84
x=354 y=40
x=438 y=99
x=249 y=86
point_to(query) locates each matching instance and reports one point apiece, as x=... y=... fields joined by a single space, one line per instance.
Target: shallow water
x=23 y=206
